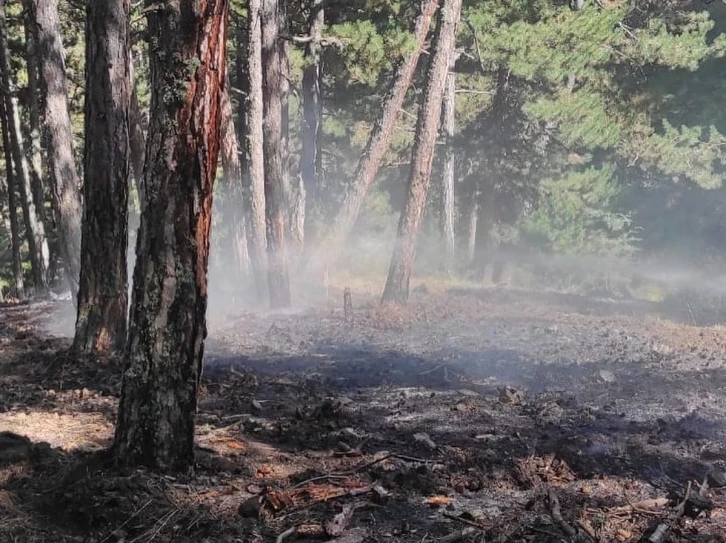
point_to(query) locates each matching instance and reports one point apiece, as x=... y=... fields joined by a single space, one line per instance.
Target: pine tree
x=427 y=127
x=102 y=294
x=168 y=323
x=45 y=27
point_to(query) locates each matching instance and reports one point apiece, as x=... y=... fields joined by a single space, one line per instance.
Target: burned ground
x=494 y=415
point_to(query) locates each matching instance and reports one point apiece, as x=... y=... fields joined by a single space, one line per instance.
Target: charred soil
x=470 y=415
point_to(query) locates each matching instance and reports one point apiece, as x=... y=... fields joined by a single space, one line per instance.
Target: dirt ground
x=471 y=415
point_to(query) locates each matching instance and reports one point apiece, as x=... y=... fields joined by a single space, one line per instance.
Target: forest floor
x=471 y=415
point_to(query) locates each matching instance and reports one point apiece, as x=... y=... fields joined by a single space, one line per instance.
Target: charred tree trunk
x=35 y=231
x=310 y=157
x=34 y=96
x=102 y=293
x=448 y=179
x=274 y=87
x=377 y=144
x=45 y=28
x=233 y=205
x=168 y=323
x=427 y=127
x=9 y=188
x=254 y=119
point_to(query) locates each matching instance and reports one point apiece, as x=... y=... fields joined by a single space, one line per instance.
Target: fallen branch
x=466 y=521
x=660 y=534
x=588 y=529
x=285 y=534
x=647 y=507
x=363 y=467
x=309 y=530
x=556 y=512
x=456 y=536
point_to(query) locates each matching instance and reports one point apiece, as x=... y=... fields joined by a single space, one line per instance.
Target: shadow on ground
x=481 y=407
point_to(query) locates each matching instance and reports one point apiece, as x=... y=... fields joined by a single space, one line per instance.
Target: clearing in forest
x=494 y=414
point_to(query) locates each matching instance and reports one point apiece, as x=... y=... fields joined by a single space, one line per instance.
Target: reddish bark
x=254 y=119
x=167 y=325
x=427 y=128
x=274 y=87
x=377 y=145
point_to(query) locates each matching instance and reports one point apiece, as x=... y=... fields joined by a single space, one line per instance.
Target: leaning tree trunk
x=274 y=140
x=377 y=144
x=45 y=27
x=34 y=99
x=9 y=187
x=168 y=322
x=34 y=228
x=448 y=179
x=310 y=156
x=427 y=127
x=102 y=292
x=254 y=119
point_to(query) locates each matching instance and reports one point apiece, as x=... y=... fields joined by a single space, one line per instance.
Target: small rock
x=467 y=392
x=250 y=508
x=380 y=494
x=607 y=376
x=355 y=535
x=717 y=476
x=511 y=395
x=14 y=448
x=424 y=439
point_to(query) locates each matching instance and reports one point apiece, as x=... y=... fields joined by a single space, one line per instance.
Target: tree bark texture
x=448 y=179
x=427 y=127
x=64 y=174
x=254 y=119
x=34 y=228
x=167 y=323
x=9 y=187
x=233 y=205
x=274 y=138
x=380 y=136
x=35 y=99
x=102 y=294
x=310 y=157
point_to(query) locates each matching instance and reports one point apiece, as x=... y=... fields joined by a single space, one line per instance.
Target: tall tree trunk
x=233 y=205
x=448 y=179
x=310 y=157
x=137 y=138
x=168 y=311
x=102 y=293
x=274 y=86
x=379 y=138
x=35 y=99
x=45 y=27
x=427 y=127
x=9 y=188
x=35 y=231
x=254 y=119
x=473 y=218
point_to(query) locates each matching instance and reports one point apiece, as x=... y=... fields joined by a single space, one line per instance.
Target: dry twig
x=661 y=532
x=556 y=512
